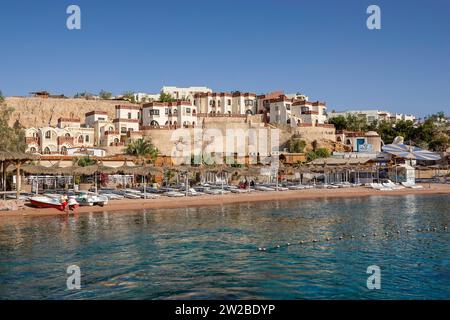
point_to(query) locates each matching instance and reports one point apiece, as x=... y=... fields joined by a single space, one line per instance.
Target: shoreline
x=115 y=206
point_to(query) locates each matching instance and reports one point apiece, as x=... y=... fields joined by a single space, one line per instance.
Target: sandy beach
x=208 y=200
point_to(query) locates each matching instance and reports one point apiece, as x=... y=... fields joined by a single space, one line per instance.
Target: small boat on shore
x=52 y=202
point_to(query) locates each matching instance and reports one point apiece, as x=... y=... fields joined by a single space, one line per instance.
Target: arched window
x=63 y=150
x=111 y=128
x=348 y=141
x=47 y=150
x=48 y=135
x=32 y=150
x=154 y=123
x=81 y=139
x=249 y=112
x=67 y=135
x=116 y=140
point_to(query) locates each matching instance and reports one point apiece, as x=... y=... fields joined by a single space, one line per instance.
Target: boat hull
x=43 y=204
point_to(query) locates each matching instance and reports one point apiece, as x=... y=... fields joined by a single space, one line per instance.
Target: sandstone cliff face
x=38 y=112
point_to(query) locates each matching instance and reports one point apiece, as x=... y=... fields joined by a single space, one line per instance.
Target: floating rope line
x=342 y=237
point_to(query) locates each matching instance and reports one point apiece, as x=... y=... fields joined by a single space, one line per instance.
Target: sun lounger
x=411 y=185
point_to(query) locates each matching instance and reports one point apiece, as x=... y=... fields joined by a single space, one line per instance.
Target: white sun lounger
x=411 y=185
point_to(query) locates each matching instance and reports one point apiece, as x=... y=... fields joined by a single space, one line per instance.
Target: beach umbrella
x=410 y=152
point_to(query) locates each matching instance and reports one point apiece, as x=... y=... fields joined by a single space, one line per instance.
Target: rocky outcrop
x=38 y=112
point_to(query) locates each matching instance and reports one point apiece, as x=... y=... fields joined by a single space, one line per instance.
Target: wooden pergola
x=17 y=159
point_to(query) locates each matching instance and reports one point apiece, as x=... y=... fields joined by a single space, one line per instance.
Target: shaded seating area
x=13 y=161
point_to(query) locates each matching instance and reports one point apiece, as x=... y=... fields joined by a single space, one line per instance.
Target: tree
x=11 y=138
x=355 y=122
x=339 y=122
x=319 y=153
x=296 y=145
x=142 y=149
x=105 y=95
x=85 y=161
x=165 y=97
x=2 y=98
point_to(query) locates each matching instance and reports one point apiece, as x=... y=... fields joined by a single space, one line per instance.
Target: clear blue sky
x=321 y=48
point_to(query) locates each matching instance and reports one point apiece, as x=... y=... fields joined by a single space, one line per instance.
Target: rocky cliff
x=38 y=112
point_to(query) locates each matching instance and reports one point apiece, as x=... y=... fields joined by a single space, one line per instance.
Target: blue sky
x=321 y=48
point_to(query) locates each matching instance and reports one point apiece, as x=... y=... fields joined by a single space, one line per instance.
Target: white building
x=127 y=118
x=185 y=94
x=374 y=115
x=309 y=112
x=286 y=111
x=141 y=97
x=179 y=113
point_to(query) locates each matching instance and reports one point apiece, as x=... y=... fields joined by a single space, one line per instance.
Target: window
x=218 y=103
x=111 y=129
x=48 y=134
x=130 y=129
x=47 y=150
x=248 y=103
x=211 y=102
x=288 y=107
x=63 y=150
x=166 y=111
x=87 y=138
x=175 y=112
x=154 y=112
x=116 y=140
x=33 y=150
x=188 y=110
x=80 y=139
x=101 y=119
x=67 y=135
x=229 y=102
x=129 y=115
x=123 y=130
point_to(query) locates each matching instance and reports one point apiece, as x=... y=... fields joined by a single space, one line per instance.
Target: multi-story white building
x=179 y=113
x=226 y=103
x=374 y=115
x=280 y=110
x=309 y=112
x=67 y=134
x=286 y=111
x=127 y=118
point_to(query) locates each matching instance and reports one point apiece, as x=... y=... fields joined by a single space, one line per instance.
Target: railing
x=221 y=115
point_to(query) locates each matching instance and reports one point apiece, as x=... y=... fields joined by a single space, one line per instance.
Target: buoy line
x=344 y=236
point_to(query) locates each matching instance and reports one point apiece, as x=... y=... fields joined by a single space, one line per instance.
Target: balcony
x=31 y=140
x=62 y=140
x=309 y=112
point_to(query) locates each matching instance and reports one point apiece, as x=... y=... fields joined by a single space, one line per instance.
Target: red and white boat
x=48 y=202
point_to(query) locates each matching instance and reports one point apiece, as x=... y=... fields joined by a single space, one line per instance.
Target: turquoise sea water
x=212 y=252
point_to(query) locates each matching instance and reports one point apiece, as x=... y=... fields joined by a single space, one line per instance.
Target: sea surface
x=231 y=252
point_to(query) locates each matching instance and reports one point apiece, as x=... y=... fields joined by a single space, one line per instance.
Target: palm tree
x=141 y=148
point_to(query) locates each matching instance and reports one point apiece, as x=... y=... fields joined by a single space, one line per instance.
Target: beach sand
x=209 y=200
